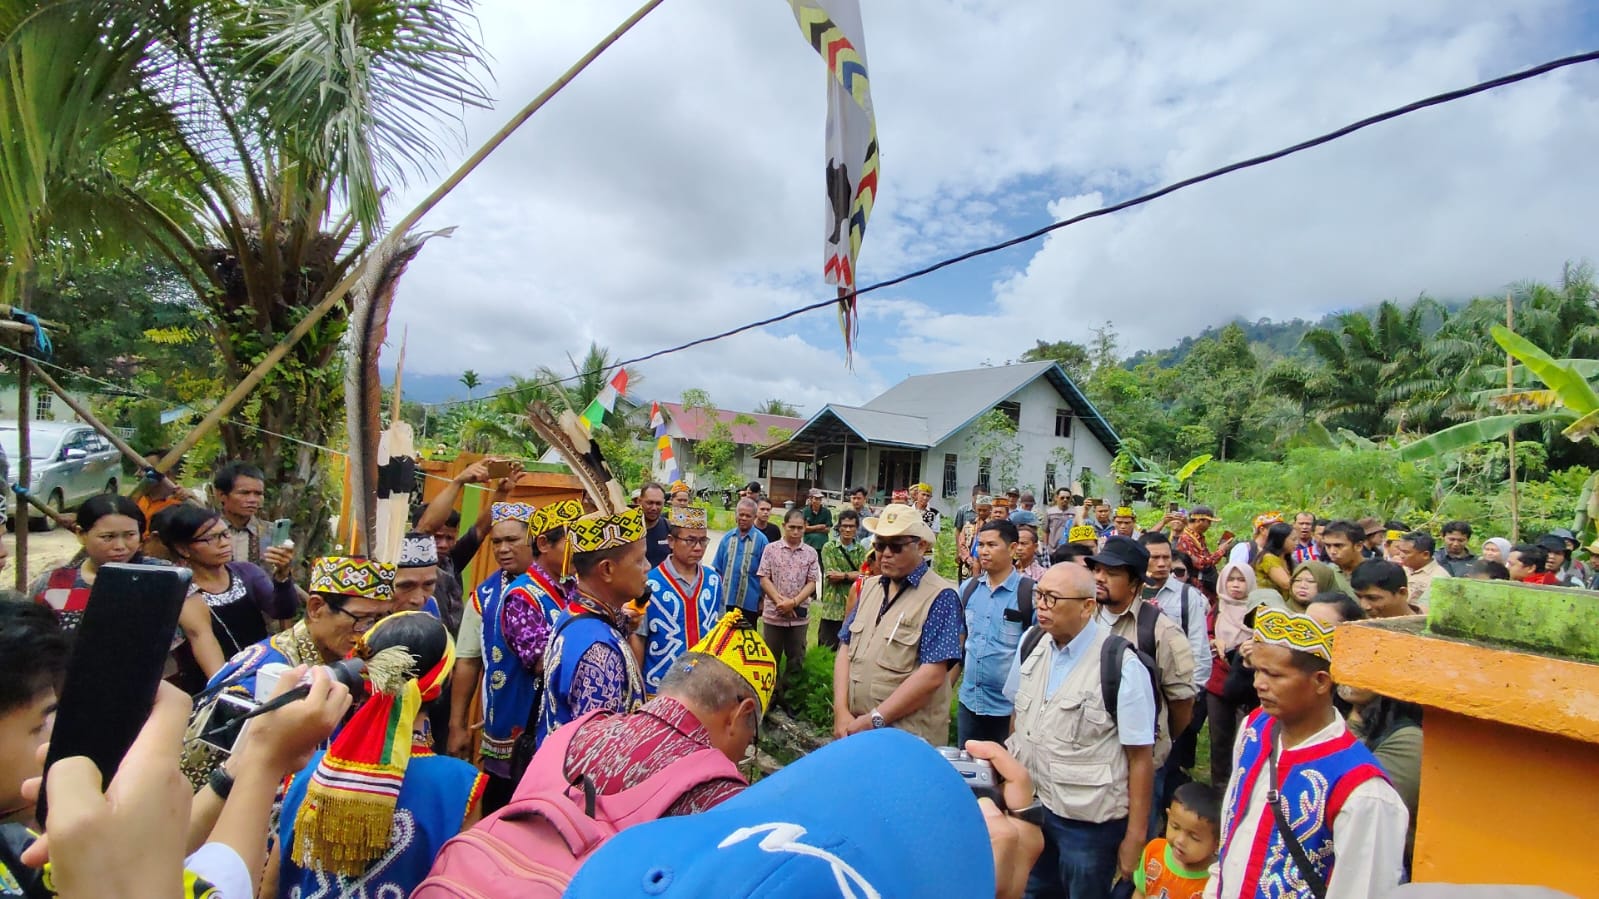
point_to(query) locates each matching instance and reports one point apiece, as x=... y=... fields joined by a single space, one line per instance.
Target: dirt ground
x=45 y=551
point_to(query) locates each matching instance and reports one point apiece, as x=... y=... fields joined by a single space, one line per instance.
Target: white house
x=748 y=431
x=926 y=429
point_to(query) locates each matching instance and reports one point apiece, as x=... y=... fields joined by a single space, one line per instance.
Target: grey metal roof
x=876 y=426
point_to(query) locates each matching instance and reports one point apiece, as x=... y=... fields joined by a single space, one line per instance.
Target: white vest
x=1068 y=742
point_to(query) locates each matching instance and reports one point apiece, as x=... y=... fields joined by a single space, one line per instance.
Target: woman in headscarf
x=1234 y=585
x=1496 y=549
x=1309 y=579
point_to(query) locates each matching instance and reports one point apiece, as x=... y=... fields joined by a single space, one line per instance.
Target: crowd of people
x=583 y=717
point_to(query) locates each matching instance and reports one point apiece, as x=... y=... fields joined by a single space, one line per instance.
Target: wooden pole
x=336 y=295
x=1510 y=387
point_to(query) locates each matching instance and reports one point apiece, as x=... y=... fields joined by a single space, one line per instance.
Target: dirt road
x=45 y=551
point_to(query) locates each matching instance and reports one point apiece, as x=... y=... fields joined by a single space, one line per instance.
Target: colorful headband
x=686 y=517
x=554 y=515
x=522 y=512
x=1002 y=501
x=1293 y=631
x=984 y=500
x=678 y=487
x=354 y=577
x=923 y=487
x=1082 y=533
x=900 y=496
x=417 y=551
x=1267 y=519
x=743 y=650
x=1395 y=535
x=598 y=531
x=1124 y=512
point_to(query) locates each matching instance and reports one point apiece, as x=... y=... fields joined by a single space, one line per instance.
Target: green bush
x=812 y=694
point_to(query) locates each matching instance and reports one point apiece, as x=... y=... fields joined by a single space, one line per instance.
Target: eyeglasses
x=363 y=623
x=1179 y=571
x=694 y=541
x=896 y=546
x=1046 y=599
x=217 y=539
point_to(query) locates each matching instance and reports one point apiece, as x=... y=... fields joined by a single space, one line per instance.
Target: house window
x=949 y=475
x=983 y=466
x=762 y=469
x=1049 y=478
x=44 y=406
x=1063 y=422
x=1013 y=411
x=849 y=470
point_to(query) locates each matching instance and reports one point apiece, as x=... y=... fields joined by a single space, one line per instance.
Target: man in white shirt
x=1354 y=847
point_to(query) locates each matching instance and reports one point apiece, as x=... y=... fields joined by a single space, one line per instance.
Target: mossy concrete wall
x=1550 y=620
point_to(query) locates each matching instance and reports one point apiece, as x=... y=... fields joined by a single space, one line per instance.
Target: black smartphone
x=118 y=653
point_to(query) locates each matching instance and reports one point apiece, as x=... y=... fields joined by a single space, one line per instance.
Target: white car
x=71 y=462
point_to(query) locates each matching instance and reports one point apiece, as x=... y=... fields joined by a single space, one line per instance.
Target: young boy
x=33 y=657
x=1178 y=866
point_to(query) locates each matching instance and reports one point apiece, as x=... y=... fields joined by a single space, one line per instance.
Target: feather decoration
x=566 y=437
x=396 y=476
x=372 y=297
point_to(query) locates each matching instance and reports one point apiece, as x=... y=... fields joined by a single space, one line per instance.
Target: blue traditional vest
x=431 y=606
x=509 y=688
x=679 y=614
x=623 y=693
x=1313 y=783
x=434 y=799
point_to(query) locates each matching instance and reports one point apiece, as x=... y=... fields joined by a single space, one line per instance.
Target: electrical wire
x=1141 y=199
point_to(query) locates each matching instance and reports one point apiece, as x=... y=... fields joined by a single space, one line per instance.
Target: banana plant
x=1159 y=484
x=1566 y=396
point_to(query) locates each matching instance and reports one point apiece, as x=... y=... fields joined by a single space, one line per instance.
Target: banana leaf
x=1574 y=390
x=1583 y=427
x=1191 y=466
x=1470 y=433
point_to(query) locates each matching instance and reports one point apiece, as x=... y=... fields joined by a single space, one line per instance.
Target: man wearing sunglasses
x=901 y=639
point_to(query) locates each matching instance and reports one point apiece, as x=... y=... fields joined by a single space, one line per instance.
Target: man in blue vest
x=1345 y=821
x=513 y=553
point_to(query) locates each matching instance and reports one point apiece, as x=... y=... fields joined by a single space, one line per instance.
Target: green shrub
x=812 y=694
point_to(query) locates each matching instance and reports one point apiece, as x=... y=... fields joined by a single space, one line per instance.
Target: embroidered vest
x=679 y=614
x=510 y=690
x=568 y=644
x=1313 y=782
x=433 y=802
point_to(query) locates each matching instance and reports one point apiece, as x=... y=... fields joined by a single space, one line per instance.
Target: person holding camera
x=1085 y=731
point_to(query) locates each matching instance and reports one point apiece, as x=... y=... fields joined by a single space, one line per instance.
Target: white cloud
x=674 y=189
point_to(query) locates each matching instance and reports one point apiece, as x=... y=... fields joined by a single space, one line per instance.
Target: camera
x=222 y=721
x=979 y=774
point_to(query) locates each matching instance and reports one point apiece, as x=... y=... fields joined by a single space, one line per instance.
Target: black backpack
x=1024 y=600
x=1110 y=656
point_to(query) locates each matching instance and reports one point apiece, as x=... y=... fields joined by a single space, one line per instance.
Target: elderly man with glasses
x=901 y=639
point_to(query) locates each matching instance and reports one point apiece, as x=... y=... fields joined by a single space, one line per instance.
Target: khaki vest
x=882 y=654
x=1068 y=741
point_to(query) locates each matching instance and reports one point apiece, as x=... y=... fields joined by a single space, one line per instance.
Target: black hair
x=1004 y=528
x=859 y=491
x=1382 y=716
x=1202 y=510
x=1422 y=541
x=652 y=485
x=1154 y=538
x=554 y=535
x=1379 y=573
x=1457 y=527
x=1486 y=570
x=1178 y=555
x=100 y=505
x=848 y=515
x=184 y=524
x=585 y=563
x=1342 y=602
x=453 y=520
x=1349 y=530
x=1029 y=528
x=1069 y=552
x=1321 y=522
x=1394 y=524
x=1532 y=554
x=1308 y=662
x=795 y=512
x=1203 y=800
x=33 y=653
x=225 y=477
x=1277 y=539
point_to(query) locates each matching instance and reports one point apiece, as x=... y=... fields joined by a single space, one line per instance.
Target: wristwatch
x=877 y=719
x=220 y=782
x=1033 y=814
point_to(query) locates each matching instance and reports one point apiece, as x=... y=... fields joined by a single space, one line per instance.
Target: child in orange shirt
x=1178 y=866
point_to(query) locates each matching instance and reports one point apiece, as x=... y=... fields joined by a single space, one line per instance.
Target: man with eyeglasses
x=901 y=639
x=685 y=598
x=1091 y=761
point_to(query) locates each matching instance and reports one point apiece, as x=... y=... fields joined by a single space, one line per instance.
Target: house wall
x=1036 y=434
x=56 y=409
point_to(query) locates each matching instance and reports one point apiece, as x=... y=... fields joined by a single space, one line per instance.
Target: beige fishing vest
x=882 y=654
x=1068 y=742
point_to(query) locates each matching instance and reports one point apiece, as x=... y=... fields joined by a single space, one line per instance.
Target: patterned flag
x=665 y=465
x=605 y=401
x=833 y=28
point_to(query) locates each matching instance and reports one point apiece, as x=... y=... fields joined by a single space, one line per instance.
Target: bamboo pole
x=1510 y=387
x=24 y=444
x=273 y=357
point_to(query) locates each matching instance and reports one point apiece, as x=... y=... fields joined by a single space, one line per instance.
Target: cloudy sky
x=675 y=188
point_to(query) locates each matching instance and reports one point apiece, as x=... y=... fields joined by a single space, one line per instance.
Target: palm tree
x=777 y=407
x=470 y=381
x=248 y=143
x=1373 y=375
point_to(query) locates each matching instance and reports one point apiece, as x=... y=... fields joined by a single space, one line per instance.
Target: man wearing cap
x=513 y=553
x=516 y=630
x=685 y=598
x=1024 y=513
x=1119 y=571
x=1193 y=544
x=1376 y=535
x=1560 y=543
x=922 y=499
x=589 y=664
x=681 y=494
x=416 y=575
x=1093 y=766
x=1347 y=821
x=738 y=563
x=901 y=639
x=818 y=521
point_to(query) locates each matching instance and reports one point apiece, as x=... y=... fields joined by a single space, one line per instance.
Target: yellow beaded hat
x=686 y=517
x=352 y=576
x=1294 y=631
x=1082 y=533
x=522 y=512
x=1124 y=512
x=923 y=487
x=558 y=514
x=743 y=650
x=598 y=531
x=678 y=487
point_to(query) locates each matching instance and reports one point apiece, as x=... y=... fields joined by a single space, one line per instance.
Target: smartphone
x=1172 y=507
x=1227 y=535
x=499 y=468
x=279 y=534
x=118 y=654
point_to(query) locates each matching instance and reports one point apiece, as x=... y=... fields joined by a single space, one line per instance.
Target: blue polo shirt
x=991 y=641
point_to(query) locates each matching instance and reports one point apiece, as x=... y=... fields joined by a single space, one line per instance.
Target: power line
x=1330 y=136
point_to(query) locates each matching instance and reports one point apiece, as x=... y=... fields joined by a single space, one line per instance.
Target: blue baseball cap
x=876 y=814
